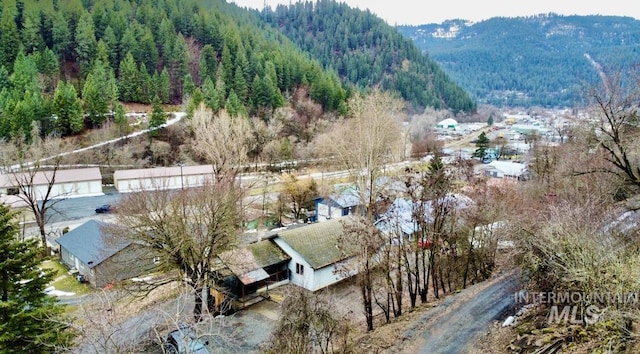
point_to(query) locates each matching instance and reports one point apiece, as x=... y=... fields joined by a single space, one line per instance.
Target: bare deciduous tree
x=222 y=140
x=309 y=324
x=300 y=193
x=32 y=170
x=363 y=144
x=185 y=229
x=617 y=129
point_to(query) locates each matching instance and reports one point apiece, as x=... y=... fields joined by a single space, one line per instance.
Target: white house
x=507 y=169
x=314 y=253
x=79 y=182
x=161 y=178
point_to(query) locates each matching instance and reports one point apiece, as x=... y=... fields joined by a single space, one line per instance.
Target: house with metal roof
x=160 y=178
x=62 y=183
x=507 y=169
x=314 y=253
x=337 y=205
x=100 y=258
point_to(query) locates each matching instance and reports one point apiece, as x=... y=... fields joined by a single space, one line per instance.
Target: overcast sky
x=415 y=12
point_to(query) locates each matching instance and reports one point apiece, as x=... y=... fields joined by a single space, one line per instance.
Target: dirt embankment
x=456 y=324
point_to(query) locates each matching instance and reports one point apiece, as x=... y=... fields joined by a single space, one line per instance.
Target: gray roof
x=317 y=243
x=88 y=243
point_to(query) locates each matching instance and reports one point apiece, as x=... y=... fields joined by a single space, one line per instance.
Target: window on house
x=13 y=191
x=299 y=269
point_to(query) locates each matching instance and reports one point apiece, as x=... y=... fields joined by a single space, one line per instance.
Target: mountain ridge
x=545 y=60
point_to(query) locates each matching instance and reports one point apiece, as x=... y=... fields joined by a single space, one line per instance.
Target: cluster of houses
x=305 y=255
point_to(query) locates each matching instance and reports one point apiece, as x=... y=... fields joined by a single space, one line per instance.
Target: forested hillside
x=365 y=51
x=67 y=64
x=546 y=60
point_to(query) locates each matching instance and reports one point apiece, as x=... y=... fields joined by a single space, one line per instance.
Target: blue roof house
x=100 y=258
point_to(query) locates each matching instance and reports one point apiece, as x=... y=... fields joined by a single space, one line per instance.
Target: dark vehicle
x=103 y=209
x=184 y=340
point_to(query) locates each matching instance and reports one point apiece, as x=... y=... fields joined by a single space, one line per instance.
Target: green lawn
x=63 y=281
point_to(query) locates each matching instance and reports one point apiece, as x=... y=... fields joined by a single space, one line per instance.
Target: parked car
x=185 y=341
x=103 y=209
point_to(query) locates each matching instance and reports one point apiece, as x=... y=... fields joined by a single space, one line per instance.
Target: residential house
x=62 y=183
x=315 y=255
x=399 y=221
x=100 y=258
x=175 y=177
x=347 y=200
x=337 y=205
x=507 y=169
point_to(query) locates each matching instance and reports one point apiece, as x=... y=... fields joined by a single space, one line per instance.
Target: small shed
x=251 y=271
x=175 y=177
x=100 y=258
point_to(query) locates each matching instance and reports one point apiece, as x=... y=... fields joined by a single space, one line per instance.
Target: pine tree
x=128 y=80
x=9 y=38
x=95 y=94
x=158 y=117
x=30 y=320
x=164 y=86
x=86 y=44
x=482 y=144
x=68 y=110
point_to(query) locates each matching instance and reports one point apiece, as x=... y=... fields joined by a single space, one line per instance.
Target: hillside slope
x=546 y=60
x=366 y=52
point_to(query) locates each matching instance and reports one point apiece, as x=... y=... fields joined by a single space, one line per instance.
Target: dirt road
x=453 y=325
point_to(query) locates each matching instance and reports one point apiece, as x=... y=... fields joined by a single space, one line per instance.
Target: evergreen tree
x=490 y=120
x=86 y=44
x=98 y=93
x=61 y=37
x=9 y=38
x=30 y=34
x=208 y=63
x=233 y=105
x=128 y=79
x=164 y=86
x=110 y=40
x=148 y=51
x=482 y=144
x=158 y=117
x=120 y=118
x=30 y=320
x=67 y=109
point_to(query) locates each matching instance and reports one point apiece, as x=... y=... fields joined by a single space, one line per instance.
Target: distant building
x=337 y=205
x=448 y=123
x=78 y=182
x=507 y=169
x=175 y=177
